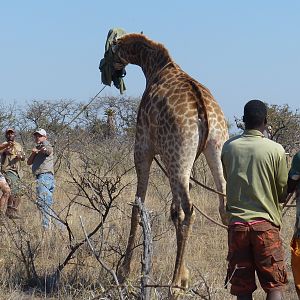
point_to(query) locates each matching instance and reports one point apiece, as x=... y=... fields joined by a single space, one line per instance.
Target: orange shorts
x=295 y=262
x=255 y=248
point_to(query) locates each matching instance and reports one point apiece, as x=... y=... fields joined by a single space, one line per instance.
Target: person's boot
x=275 y=295
x=12 y=213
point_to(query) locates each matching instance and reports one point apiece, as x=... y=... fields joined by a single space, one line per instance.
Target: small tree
x=283 y=126
x=125 y=112
x=7 y=116
x=110 y=123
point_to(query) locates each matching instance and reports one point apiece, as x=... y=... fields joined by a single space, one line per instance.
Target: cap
x=41 y=131
x=9 y=130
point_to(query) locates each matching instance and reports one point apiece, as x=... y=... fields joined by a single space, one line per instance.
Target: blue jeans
x=44 y=190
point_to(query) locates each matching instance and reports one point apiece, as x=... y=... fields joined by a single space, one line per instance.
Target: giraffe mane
x=136 y=37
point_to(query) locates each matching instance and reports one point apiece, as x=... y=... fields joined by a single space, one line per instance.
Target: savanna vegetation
x=95 y=187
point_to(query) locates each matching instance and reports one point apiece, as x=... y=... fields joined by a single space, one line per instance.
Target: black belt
x=43 y=173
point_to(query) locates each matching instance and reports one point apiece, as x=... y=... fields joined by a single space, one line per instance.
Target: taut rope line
x=83 y=108
x=193 y=179
x=204 y=186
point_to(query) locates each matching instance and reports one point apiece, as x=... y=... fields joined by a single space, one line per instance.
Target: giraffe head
x=119 y=62
x=137 y=49
x=112 y=68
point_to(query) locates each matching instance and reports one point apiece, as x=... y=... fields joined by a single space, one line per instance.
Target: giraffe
x=178 y=118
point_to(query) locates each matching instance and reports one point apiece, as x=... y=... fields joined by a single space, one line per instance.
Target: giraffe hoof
x=175 y=293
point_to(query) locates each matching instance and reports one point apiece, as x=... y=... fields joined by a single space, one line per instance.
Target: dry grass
x=83 y=277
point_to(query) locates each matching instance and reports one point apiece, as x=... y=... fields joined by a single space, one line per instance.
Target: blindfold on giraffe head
x=112 y=67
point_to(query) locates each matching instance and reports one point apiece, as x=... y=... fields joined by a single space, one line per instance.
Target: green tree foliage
x=104 y=118
x=7 y=116
x=283 y=126
x=50 y=115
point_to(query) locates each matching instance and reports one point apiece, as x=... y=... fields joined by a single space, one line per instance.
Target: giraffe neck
x=150 y=56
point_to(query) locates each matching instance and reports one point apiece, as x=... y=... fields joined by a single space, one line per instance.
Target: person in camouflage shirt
x=11 y=158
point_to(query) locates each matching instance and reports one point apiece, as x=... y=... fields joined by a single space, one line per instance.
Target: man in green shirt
x=256 y=175
x=294 y=186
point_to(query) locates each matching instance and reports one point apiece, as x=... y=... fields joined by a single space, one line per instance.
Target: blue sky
x=240 y=50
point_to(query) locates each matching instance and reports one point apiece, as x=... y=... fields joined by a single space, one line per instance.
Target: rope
x=193 y=179
x=287 y=206
x=209 y=218
x=289 y=196
x=203 y=185
x=83 y=109
x=207 y=187
x=79 y=113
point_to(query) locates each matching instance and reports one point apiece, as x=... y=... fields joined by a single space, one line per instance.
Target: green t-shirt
x=256 y=173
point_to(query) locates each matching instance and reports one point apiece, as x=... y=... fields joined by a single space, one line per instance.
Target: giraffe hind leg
x=212 y=154
x=125 y=268
x=182 y=214
x=142 y=170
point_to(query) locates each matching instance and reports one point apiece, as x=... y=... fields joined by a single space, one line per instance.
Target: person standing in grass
x=11 y=157
x=5 y=190
x=294 y=186
x=255 y=170
x=41 y=159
